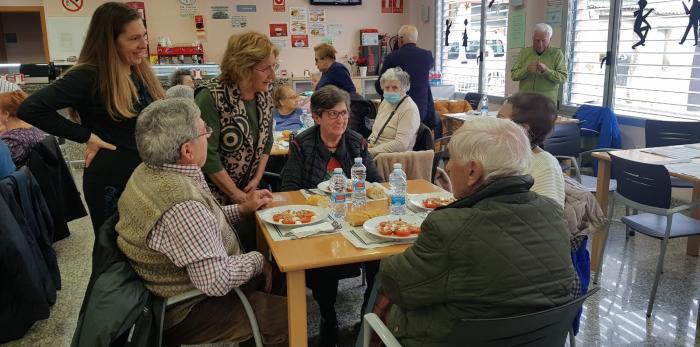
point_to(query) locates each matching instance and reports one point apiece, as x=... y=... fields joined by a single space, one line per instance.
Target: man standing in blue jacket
x=417 y=62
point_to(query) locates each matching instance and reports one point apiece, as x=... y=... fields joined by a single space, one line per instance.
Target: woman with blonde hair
x=19 y=136
x=332 y=72
x=109 y=86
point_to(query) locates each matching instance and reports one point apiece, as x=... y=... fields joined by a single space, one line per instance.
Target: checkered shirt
x=189 y=235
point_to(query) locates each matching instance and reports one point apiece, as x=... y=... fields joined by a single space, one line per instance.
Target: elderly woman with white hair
x=180 y=91
x=500 y=250
x=398 y=119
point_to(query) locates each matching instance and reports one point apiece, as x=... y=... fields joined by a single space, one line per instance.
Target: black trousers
x=104 y=182
x=323 y=283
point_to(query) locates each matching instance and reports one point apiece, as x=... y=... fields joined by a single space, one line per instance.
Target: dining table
x=455 y=120
x=294 y=257
x=602 y=194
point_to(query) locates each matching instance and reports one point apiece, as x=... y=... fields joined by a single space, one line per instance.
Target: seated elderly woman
x=500 y=250
x=286 y=114
x=177 y=237
x=536 y=113
x=19 y=135
x=313 y=156
x=398 y=119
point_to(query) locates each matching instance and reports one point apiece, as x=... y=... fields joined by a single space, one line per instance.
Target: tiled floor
x=613 y=317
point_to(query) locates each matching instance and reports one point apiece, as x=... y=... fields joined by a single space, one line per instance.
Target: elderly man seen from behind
x=540 y=68
x=178 y=238
x=500 y=250
x=397 y=119
x=180 y=91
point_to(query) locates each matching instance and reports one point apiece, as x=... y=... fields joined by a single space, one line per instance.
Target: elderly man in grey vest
x=177 y=237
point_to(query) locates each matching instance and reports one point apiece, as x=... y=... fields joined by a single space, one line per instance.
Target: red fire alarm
x=199 y=23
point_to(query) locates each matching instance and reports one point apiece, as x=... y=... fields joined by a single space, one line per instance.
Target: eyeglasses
x=207 y=131
x=269 y=68
x=335 y=114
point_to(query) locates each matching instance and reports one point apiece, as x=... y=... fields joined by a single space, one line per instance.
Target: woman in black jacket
x=108 y=87
x=313 y=156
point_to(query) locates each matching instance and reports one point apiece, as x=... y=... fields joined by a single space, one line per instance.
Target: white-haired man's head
x=485 y=149
x=408 y=34
x=541 y=37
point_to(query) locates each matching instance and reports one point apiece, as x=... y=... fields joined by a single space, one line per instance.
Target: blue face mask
x=392 y=97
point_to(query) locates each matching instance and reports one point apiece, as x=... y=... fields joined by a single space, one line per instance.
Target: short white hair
x=180 y=91
x=396 y=74
x=409 y=33
x=544 y=28
x=162 y=128
x=500 y=145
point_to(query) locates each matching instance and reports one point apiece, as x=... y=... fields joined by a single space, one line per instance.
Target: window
x=661 y=77
x=458 y=62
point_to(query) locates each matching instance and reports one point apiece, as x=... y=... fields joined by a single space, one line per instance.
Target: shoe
x=328 y=335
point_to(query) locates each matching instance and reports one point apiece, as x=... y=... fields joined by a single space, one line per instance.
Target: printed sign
x=392 y=6
x=246 y=8
x=278 y=30
x=278 y=6
x=72 y=5
x=300 y=41
x=219 y=12
x=239 y=21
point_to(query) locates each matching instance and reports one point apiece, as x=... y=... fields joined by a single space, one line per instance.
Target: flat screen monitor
x=336 y=2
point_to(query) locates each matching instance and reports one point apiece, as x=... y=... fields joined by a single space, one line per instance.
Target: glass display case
x=207 y=71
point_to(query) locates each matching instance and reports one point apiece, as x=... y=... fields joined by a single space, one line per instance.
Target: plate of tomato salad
x=294 y=215
x=396 y=227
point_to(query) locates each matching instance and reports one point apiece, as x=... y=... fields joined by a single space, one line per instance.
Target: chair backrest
x=542 y=329
x=424 y=139
x=565 y=140
x=647 y=184
x=662 y=133
x=362 y=114
x=474 y=99
x=416 y=165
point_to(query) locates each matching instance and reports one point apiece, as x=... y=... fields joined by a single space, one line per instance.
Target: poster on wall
x=298 y=17
x=246 y=8
x=300 y=41
x=239 y=21
x=554 y=16
x=219 y=12
x=317 y=16
x=279 y=42
x=188 y=8
x=278 y=30
x=334 y=29
x=392 y=6
x=516 y=29
x=278 y=6
x=317 y=29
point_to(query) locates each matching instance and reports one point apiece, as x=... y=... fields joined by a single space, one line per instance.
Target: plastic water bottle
x=338 y=192
x=397 y=191
x=484 y=106
x=307 y=120
x=358 y=174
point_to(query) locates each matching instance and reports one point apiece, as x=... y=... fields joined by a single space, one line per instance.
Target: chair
x=647 y=188
x=662 y=133
x=441 y=154
x=474 y=99
x=195 y=293
x=416 y=165
x=362 y=115
x=545 y=328
x=424 y=139
x=565 y=144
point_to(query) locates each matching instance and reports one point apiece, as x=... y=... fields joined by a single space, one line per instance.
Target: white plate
x=325 y=186
x=371 y=225
x=417 y=200
x=266 y=215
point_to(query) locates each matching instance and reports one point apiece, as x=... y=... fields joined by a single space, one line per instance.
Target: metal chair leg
x=601 y=256
x=627 y=227
x=659 y=266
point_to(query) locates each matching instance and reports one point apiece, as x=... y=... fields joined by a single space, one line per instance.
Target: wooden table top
x=329 y=250
x=645 y=157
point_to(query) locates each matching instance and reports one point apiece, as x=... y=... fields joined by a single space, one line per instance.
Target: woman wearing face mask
x=398 y=118
x=109 y=86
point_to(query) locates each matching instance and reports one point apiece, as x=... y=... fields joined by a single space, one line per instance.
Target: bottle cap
x=358 y=160
x=397 y=166
x=338 y=170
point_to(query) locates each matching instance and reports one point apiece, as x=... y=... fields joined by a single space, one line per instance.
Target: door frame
x=42 y=19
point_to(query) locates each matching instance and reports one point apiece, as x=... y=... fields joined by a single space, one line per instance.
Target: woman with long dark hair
x=111 y=83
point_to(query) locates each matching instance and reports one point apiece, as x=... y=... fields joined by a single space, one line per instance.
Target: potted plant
x=362 y=66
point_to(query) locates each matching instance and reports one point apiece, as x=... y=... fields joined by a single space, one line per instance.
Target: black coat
x=308 y=158
x=28 y=265
x=57 y=185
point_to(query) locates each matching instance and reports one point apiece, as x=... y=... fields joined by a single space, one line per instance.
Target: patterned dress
x=21 y=141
